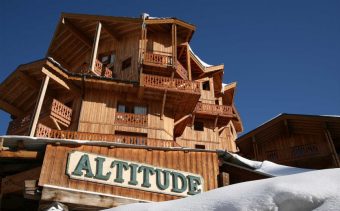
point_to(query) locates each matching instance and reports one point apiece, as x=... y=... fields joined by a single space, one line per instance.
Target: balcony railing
x=160 y=82
x=131 y=119
x=61 y=112
x=213 y=109
x=297 y=152
x=158 y=59
x=99 y=69
x=55 y=109
x=44 y=131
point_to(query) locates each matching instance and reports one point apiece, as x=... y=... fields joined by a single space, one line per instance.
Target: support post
x=174 y=45
x=188 y=63
x=95 y=47
x=38 y=106
x=332 y=147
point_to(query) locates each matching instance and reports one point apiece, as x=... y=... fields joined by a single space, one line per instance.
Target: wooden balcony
x=55 y=111
x=44 y=131
x=131 y=119
x=99 y=70
x=212 y=109
x=179 y=85
x=298 y=152
x=158 y=59
x=181 y=71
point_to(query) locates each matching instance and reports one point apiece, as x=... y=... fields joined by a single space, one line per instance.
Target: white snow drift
x=315 y=190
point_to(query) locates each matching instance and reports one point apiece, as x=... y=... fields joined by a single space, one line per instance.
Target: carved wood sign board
x=134 y=173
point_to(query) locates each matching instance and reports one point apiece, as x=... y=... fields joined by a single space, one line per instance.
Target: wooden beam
x=95 y=47
x=66 y=85
x=76 y=32
x=189 y=63
x=38 y=106
x=163 y=103
x=20 y=154
x=66 y=195
x=174 y=45
x=10 y=108
x=193 y=120
x=256 y=152
x=215 y=123
x=332 y=147
x=181 y=119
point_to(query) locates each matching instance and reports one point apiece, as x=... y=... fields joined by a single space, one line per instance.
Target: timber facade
x=305 y=141
x=129 y=90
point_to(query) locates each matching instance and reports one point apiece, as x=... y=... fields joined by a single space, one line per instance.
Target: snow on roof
x=268 y=167
x=316 y=190
x=198 y=58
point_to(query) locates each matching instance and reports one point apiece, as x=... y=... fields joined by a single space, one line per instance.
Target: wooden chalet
x=116 y=105
x=306 y=141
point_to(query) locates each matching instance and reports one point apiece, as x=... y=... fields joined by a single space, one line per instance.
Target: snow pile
x=270 y=168
x=316 y=190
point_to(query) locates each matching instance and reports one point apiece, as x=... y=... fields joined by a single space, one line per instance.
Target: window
x=131 y=108
x=217 y=102
x=199 y=126
x=139 y=110
x=126 y=63
x=108 y=59
x=199 y=146
x=206 y=85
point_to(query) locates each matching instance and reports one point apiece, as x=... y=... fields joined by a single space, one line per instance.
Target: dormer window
x=206 y=85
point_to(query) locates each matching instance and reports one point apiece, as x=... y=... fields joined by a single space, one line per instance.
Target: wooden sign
x=130 y=174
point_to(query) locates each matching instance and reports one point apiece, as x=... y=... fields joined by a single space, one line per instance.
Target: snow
x=269 y=168
x=200 y=60
x=315 y=190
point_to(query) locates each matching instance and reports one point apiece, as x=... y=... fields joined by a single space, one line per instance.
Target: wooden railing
x=43 y=131
x=19 y=126
x=181 y=70
x=55 y=109
x=131 y=119
x=297 y=152
x=61 y=112
x=159 y=59
x=221 y=110
x=160 y=82
x=99 y=70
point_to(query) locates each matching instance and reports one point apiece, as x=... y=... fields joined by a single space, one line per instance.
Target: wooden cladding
x=297 y=152
x=212 y=109
x=158 y=59
x=44 y=131
x=174 y=84
x=131 y=119
x=195 y=162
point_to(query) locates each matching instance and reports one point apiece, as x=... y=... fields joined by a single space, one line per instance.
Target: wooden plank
x=37 y=109
x=29 y=80
x=10 y=108
x=60 y=81
x=95 y=47
x=110 y=32
x=332 y=147
x=76 y=32
x=20 y=154
x=84 y=197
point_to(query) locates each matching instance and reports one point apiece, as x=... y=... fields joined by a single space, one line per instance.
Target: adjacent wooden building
x=307 y=141
x=128 y=90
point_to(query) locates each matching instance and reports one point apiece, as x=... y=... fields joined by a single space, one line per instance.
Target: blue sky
x=285 y=55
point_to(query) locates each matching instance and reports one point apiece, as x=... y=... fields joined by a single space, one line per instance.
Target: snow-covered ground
x=314 y=190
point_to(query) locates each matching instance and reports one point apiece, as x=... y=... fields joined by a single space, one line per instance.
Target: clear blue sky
x=285 y=55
